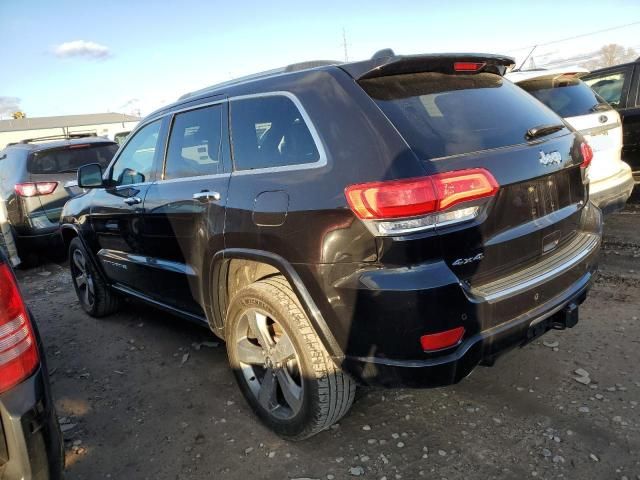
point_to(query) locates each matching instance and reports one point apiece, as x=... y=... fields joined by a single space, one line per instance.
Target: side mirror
x=90 y=176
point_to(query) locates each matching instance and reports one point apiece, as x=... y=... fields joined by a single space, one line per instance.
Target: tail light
x=405 y=206
x=587 y=154
x=33 y=189
x=18 y=352
x=441 y=340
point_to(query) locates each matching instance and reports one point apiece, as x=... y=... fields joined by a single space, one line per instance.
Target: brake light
x=421 y=203
x=33 y=189
x=587 y=154
x=18 y=352
x=441 y=340
x=468 y=66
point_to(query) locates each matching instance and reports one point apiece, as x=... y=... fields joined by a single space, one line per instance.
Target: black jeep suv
x=395 y=222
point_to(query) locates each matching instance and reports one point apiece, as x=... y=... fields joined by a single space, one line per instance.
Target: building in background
x=100 y=124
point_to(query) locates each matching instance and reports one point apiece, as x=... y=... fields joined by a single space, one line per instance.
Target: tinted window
x=568 y=96
x=70 y=158
x=194 y=144
x=441 y=115
x=135 y=162
x=270 y=132
x=608 y=86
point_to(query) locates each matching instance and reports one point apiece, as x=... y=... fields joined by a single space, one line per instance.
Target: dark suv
x=38 y=176
x=395 y=222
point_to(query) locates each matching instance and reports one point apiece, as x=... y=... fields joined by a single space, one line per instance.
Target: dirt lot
x=141 y=397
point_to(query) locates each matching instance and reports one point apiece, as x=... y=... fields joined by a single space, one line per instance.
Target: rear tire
x=95 y=296
x=267 y=328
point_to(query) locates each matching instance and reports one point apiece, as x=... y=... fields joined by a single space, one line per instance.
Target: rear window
x=440 y=115
x=69 y=158
x=568 y=96
x=270 y=132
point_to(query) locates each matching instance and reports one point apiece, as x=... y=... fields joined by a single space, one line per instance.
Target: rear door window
x=566 y=95
x=441 y=115
x=609 y=86
x=270 y=132
x=69 y=158
x=195 y=144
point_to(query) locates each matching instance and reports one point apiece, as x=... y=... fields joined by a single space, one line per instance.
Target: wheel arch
x=69 y=232
x=246 y=266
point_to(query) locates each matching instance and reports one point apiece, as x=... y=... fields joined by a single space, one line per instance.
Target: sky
x=70 y=57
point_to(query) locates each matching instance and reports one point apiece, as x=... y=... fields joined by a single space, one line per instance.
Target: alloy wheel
x=270 y=364
x=82 y=278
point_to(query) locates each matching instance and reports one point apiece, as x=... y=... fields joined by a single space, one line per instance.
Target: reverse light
x=587 y=154
x=468 y=66
x=33 y=189
x=18 y=353
x=441 y=340
x=406 y=206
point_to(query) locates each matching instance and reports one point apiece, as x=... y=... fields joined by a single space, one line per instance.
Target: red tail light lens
x=440 y=340
x=468 y=66
x=18 y=352
x=32 y=189
x=464 y=186
x=587 y=154
x=413 y=197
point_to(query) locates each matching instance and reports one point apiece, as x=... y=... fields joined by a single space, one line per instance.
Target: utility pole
x=344 y=45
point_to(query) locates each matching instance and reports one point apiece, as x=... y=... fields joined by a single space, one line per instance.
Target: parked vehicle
x=31 y=446
x=394 y=222
x=618 y=85
x=38 y=176
x=611 y=181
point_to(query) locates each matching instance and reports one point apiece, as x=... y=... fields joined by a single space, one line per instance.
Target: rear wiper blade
x=542 y=131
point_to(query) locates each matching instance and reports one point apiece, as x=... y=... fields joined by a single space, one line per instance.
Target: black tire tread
x=336 y=389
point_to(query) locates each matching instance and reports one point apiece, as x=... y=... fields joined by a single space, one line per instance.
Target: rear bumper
x=610 y=194
x=497 y=317
x=482 y=348
x=29 y=432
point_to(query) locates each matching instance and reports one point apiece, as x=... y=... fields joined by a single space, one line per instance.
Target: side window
x=270 y=132
x=608 y=86
x=135 y=163
x=195 y=144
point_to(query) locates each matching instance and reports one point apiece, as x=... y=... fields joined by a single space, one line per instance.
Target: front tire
x=280 y=364
x=95 y=296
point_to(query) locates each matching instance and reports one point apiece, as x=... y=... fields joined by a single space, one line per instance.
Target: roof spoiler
x=382 y=66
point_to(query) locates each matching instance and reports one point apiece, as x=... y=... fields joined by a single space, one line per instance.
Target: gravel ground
x=143 y=395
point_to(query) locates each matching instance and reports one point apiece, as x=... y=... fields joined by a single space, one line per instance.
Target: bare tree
x=612 y=54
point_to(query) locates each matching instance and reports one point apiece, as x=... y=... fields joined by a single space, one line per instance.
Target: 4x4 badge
x=464 y=261
x=551 y=158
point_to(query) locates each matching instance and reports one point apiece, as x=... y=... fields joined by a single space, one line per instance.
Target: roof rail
x=69 y=136
x=294 y=67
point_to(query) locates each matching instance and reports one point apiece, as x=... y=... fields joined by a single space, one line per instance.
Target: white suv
x=611 y=181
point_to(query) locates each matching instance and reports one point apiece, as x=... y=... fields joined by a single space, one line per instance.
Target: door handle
x=132 y=200
x=206 y=196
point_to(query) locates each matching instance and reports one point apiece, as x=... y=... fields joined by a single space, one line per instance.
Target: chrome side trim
x=532 y=276
x=197 y=177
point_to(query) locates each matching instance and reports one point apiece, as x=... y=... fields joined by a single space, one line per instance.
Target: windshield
x=568 y=96
x=440 y=115
x=69 y=158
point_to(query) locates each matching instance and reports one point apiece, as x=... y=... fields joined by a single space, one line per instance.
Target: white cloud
x=82 y=48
